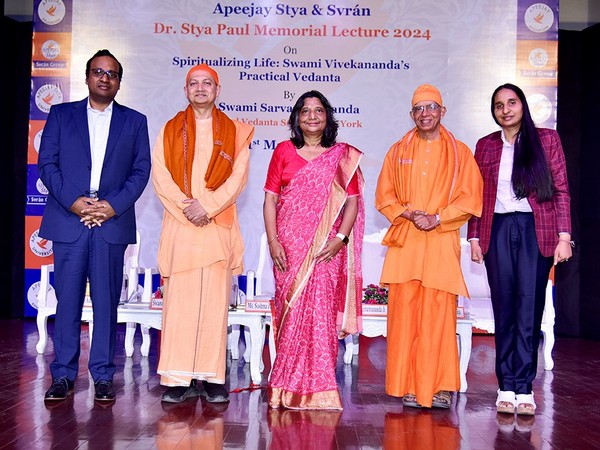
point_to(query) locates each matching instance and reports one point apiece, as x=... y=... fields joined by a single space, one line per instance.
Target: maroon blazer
x=550 y=217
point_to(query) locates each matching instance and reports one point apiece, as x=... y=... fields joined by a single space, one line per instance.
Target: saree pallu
x=313 y=302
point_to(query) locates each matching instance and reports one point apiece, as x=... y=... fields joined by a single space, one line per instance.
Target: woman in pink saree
x=314 y=219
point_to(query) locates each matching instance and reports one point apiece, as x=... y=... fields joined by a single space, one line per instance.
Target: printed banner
x=366 y=58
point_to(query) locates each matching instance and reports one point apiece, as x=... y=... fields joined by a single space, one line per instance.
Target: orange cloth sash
x=446 y=192
x=179 y=142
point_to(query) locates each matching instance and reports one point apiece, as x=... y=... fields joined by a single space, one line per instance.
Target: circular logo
x=33 y=295
x=39 y=246
x=540 y=107
x=538 y=57
x=539 y=17
x=50 y=49
x=48 y=95
x=51 y=12
x=37 y=140
x=41 y=188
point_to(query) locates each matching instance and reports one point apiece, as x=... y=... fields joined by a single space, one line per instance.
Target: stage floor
x=568 y=400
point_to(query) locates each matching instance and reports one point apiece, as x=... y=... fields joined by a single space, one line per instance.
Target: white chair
x=265 y=282
x=46 y=300
x=135 y=311
x=235 y=329
x=264 y=289
x=46 y=306
x=373 y=254
x=144 y=303
x=479 y=306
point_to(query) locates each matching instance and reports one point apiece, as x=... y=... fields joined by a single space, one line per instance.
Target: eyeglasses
x=431 y=107
x=99 y=73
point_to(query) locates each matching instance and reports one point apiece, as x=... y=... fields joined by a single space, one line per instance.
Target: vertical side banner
x=50 y=85
x=537 y=58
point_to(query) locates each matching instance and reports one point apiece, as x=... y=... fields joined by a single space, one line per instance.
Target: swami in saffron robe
x=422 y=268
x=197 y=263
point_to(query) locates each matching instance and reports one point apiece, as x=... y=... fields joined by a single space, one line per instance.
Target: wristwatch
x=343 y=237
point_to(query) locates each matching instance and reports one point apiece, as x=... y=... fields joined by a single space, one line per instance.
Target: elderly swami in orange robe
x=429 y=186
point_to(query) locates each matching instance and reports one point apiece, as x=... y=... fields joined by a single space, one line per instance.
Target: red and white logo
x=39 y=246
x=540 y=107
x=50 y=49
x=539 y=17
x=538 y=58
x=48 y=95
x=41 y=188
x=51 y=12
x=37 y=140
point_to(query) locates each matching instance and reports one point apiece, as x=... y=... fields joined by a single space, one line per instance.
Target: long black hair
x=331 y=128
x=531 y=172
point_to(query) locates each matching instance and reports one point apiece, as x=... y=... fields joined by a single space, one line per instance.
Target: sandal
x=410 y=400
x=441 y=399
x=526 y=405
x=506 y=402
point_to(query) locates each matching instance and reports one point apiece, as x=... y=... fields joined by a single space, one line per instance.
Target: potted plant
x=375 y=299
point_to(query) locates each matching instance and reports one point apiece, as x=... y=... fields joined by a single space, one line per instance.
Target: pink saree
x=313 y=302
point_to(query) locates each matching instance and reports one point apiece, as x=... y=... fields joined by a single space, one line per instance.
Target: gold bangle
x=269 y=243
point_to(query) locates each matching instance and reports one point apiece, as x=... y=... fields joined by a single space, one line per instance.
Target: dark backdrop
x=590 y=184
x=567 y=275
x=577 y=282
x=17 y=39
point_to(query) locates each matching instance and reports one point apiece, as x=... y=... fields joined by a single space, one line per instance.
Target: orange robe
x=438 y=177
x=198 y=263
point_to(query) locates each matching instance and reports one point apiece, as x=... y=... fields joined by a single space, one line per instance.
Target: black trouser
x=518 y=275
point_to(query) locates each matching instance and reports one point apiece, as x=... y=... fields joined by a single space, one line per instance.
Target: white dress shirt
x=99 y=126
x=506 y=201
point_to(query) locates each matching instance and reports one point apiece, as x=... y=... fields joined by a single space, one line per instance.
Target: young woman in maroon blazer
x=524 y=229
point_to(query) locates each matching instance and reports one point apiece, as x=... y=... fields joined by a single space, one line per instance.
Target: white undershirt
x=506 y=201
x=99 y=126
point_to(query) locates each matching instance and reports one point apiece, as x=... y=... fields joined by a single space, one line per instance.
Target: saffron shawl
x=179 y=143
x=406 y=172
x=180 y=138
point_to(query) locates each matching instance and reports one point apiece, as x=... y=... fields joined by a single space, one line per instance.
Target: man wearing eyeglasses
x=429 y=186
x=95 y=162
